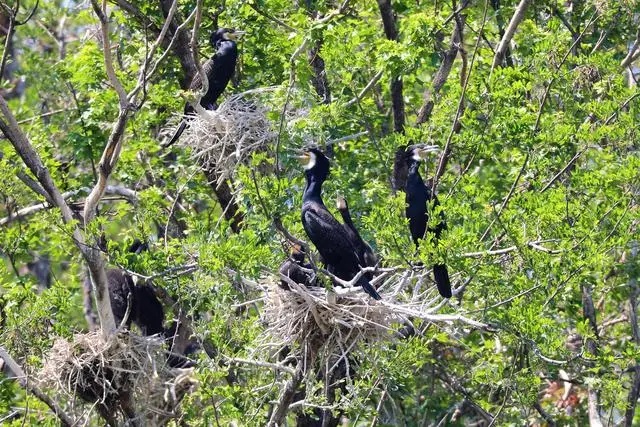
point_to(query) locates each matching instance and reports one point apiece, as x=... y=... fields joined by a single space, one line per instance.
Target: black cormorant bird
x=297 y=270
x=218 y=70
x=327 y=234
x=365 y=253
x=418 y=197
x=145 y=309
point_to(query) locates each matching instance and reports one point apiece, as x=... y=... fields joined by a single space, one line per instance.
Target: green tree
x=534 y=105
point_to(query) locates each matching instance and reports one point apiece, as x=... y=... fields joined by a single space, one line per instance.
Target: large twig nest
x=222 y=139
x=124 y=375
x=342 y=319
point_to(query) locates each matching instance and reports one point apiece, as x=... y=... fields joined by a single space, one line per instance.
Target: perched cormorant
x=297 y=270
x=336 y=249
x=145 y=310
x=218 y=70
x=365 y=254
x=418 y=197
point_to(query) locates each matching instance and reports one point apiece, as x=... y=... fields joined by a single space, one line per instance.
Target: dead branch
x=130 y=195
x=441 y=76
x=106 y=51
x=517 y=17
x=30 y=386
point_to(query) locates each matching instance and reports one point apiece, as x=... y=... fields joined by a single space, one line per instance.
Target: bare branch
x=441 y=76
x=260 y=363
x=194 y=52
x=93 y=257
x=286 y=396
x=517 y=17
x=106 y=50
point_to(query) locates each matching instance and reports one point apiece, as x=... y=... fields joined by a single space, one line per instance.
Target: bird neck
x=414 y=173
x=227 y=46
x=313 y=189
x=346 y=216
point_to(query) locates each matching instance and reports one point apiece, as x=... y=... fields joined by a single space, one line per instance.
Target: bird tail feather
x=441 y=276
x=368 y=288
x=176 y=134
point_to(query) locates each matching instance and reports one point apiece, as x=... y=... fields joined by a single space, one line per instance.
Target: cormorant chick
x=418 y=197
x=327 y=234
x=365 y=254
x=295 y=269
x=218 y=70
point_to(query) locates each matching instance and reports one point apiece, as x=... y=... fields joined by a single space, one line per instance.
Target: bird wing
x=207 y=67
x=327 y=234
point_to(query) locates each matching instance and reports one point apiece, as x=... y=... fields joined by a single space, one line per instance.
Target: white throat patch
x=416 y=156
x=312 y=161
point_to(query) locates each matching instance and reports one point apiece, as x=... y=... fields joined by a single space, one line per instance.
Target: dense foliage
x=540 y=189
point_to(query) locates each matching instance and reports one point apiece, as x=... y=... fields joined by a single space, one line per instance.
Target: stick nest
x=115 y=373
x=341 y=319
x=224 y=138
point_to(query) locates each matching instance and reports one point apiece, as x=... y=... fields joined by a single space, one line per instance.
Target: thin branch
x=366 y=89
x=634 y=392
x=259 y=11
x=260 y=363
x=106 y=51
x=455 y=126
x=30 y=386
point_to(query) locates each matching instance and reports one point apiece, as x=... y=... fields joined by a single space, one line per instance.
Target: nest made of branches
x=124 y=374
x=340 y=320
x=222 y=139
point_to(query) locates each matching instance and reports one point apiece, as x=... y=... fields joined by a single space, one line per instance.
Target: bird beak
x=424 y=151
x=236 y=35
x=341 y=203
x=304 y=158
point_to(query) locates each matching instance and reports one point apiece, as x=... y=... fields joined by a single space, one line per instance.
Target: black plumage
x=218 y=70
x=145 y=309
x=365 y=254
x=297 y=270
x=419 y=196
x=327 y=234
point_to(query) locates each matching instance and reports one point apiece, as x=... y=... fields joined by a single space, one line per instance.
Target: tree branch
x=389 y=22
x=30 y=386
x=441 y=76
x=106 y=51
x=517 y=17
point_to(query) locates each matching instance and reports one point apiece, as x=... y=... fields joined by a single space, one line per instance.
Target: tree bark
x=389 y=22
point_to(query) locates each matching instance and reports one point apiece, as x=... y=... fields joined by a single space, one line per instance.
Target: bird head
x=223 y=34
x=297 y=253
x=420 y=152
x=315 y=162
